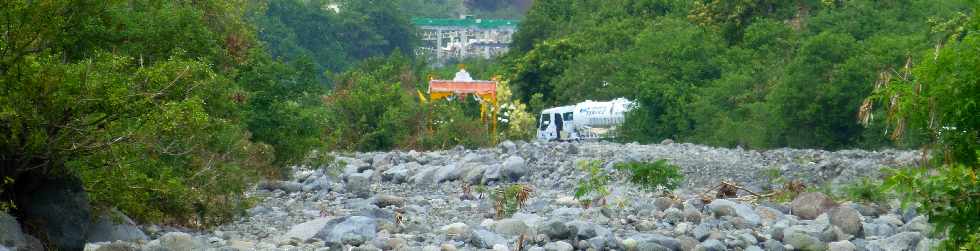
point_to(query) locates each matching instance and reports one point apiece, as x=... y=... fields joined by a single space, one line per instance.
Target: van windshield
x=545 y=119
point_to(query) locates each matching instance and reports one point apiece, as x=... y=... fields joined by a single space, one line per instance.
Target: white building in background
x=444 y=39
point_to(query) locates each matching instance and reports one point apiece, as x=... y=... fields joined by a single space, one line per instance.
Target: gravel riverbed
x=416 y=201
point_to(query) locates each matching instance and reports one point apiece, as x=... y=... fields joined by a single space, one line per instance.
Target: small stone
x=842 y=246
x=711 y=245
x=773 y=245
x=662 y=203
x=673 y=215
x=682 y=228
x=630 y=244
x=692 y=215
x=383 y=200
x=768 y=215
x=558 y=246
x=447 y=247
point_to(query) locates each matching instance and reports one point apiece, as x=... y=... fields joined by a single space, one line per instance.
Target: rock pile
x=417 y=201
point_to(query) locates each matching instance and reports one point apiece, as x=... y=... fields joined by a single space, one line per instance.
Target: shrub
x=509 y=199
x=592 y=189
x=652 y=176
x=865 y=190
x=950 y=196
x=939 y=96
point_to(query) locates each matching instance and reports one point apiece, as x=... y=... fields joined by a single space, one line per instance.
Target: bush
x=950 y=196
x=865 y=190
x=509 y=199
x=939 y=96
x=592 y=189
x=652 y=176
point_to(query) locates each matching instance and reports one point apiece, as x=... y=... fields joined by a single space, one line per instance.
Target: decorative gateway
x=485 y=91
x=585 y=120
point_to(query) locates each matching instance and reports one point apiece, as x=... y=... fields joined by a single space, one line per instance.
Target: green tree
x=940 y=97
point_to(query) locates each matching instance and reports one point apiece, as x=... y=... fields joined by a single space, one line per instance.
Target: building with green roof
x=448 y=38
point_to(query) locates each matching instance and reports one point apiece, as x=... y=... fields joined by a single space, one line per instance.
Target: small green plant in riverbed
x=865 y=190
x=509 y=199
x=592 y=189
x=653 y=176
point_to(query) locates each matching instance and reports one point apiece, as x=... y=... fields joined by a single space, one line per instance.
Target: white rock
x=500 y=247
x=455 y=229
x=305 y=231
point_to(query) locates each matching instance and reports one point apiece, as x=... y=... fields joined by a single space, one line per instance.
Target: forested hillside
x=751 y=73
x=170 y=110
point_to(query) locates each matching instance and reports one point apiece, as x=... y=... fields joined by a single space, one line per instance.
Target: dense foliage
x=379 y=105
x=334 y=39
x=168 y=110
x=750 y=73
x=940 y=95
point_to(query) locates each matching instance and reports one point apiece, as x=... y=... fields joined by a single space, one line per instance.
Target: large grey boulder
x=555 y=229
x=349 y=230
x=918 y=224
x=115 y=226
x=847 y=219
x=513 y=168
x=62 y=208
x=383 y=161
x=400 y=173
x=426 y=176
x=842 y=246
x=492 y=173
x=512 y=227
x=449 y=172
x=810 y=205
x=711 y=245
x=10 y=233
x=305 y=231
x=900 y=241
x=285 y=186
x=668 y=242
x=804 y=241
x=723 y=207
x=482 y=238
x=507 y=146
x=178 y=241
x=111 y=246
x=473 y=173
x=876 y=229
x=359 y=184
